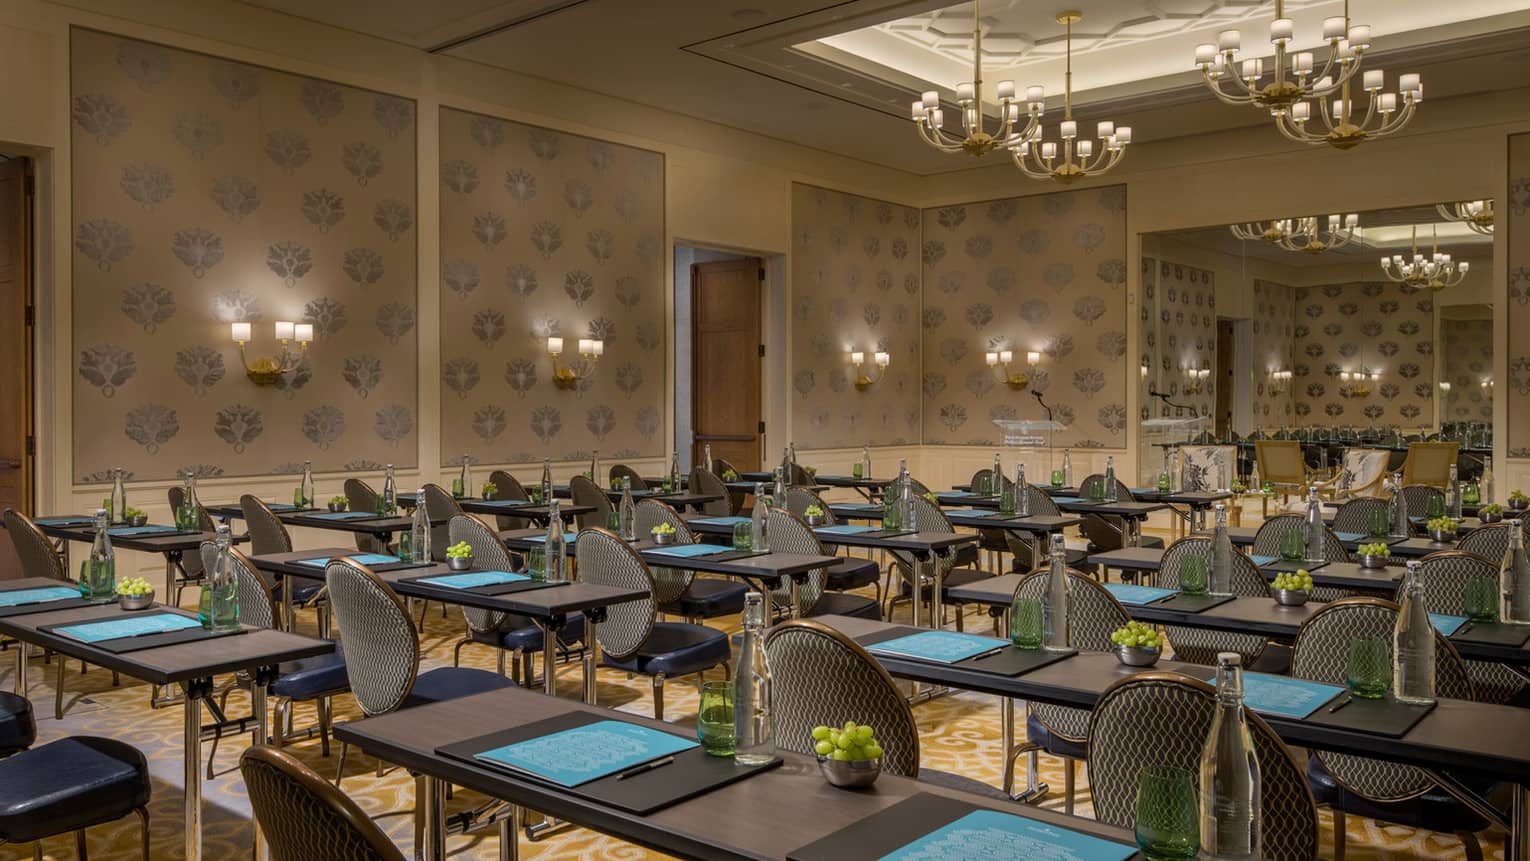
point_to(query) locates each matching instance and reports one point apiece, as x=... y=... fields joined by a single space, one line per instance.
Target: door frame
x=28 y=280
x=763 y=289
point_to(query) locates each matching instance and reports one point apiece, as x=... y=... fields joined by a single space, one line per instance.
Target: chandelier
x=1302 y=234
x=1039 y=159
x=1285 y=93
x=1437 y=271
x=1475 y=214
x=929 y=118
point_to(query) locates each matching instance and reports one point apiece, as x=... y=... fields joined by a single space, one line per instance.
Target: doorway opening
x=17 y=444
x=719 y=356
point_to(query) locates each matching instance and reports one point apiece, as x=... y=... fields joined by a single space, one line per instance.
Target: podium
x=1034 y=434
x=1165 y=433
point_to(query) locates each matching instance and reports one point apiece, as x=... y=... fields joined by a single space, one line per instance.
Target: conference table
x=1341 y=575
x=165 y=540
x=190 y=664
x=1131 y=512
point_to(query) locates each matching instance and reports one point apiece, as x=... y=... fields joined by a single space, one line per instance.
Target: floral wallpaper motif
x=1273 y=327
x=1179 y=330
x=1382 y=327
x=1468 y=360
x=1045 y=273
x=545 y=233
x=1518 y=224
x=855 y=286
x=207 y=191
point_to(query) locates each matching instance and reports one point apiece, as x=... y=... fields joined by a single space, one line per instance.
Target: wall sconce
x=1280 y=381
x=567 y=376
x=1445 y=388
x=1487 y=383
x=1016 y=380
x=266 y=370
x=1357 y=384
x=863 y=381
x=1195 y=380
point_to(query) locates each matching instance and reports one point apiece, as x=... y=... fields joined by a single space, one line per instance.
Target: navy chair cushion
x=519 y=633
x=69 y=784
x=960 y=782
x=852 y=572
x=303 y=590
x=1435 y=810
x=708 y=598
x=968 y=554
x=841 y=604
x=449 y=683
x=676 y=650
x=313 y=677
x=1037 y=733
x=18 y=727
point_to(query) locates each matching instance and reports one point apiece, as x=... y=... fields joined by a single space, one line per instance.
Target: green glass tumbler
x=1025 y=624
x=714 y=721
x=1436 y=506
x=1293 y=544
x=1168 y=814
x=983 y=486
x=536 y=564
x=1479 y=598
x=1057 y=478
x=1097 y=492
x=1377 y=523
x=1471 y=494
x=1007 y=501
x=1192 y=575
x=892 y=514
x=1369 y=667
x=743 y=536
x=855 y=471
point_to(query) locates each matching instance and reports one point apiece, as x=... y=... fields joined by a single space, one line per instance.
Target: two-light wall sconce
x=567 y=376
x=267 y=370
x=1280 y=383
x=1357 y=384
x=1195 y=380
x=1016 y=379
x=863 y=378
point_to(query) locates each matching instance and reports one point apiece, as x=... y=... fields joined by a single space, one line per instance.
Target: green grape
x=820 y=733
x=873 y=751
x=864 y=733
x=824 y=748
x=845 y=742
x=840 y=756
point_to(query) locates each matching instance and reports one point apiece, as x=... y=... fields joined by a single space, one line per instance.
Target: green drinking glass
x=1269 y=487
x=714 y=721
x=1436 y=506
x=458 y=491
x=1471 y=494
x=297 y=498
x=1163 y=482
x=983 y=486
x=1369 y=667
x=1168 y=814
x=1097 y=492
x=614 y=522
x=1057 y=478
x=1192 y=575
x=536 y=564
x=1007 y=501
x=1025 y=625
x=1293 y=544
x=892 y=515
x=534 y=494
x=743 y=536
x=1378 y=524
x=1479 y=598
x=855 y=471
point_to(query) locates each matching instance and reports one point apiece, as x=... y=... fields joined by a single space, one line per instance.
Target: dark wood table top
x=1451 y=737
x=177 y=542
x=373 y=525
x=233 y=511
x=850 y=481
x=1345 y=575
x=675 y=499
x=1015 y=523
x=725 y=823
x=508 y=507
x=769 y=567
x=1129 y=509
x=1193 y=498
x=163 y=665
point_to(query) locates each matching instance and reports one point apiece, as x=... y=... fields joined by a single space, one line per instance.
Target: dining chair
x=18 y=725
x=994 y=542
x=820 y=677
x=508 y=487
x=515 y=636
x=631 y=639
x=1024 y=558
x=1163 y=718
x=1207 y=467
x=1491 y=542
x=359 y=496
x=440 y=508
x=1355 y=514
x=623 y=472
x=189 y=565
x=1267 y=543
x=707 y=483
x=789 y=533
x=1376 y=788
x=1281 y=464
x=1201 y=645
x=1107 y=532
x=1061 y=731
x=721 y=468
x=851 y=572
x=303 y=817
x=1444 y=576
x=1429 y=462
x=383 y=649
x=1362 y=475
x=929 y=518
x=269 y=535
x=583 y=491
x=680 y=591
x=1420 y=497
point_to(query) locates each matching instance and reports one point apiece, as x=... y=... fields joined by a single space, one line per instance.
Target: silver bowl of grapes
x=1137 y=656
x=1442 y=536
x=136 y=602
x=850 y=774
x=1292 y=597
x=1375 y=563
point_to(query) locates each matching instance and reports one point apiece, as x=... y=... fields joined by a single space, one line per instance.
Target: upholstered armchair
x=1363 y=472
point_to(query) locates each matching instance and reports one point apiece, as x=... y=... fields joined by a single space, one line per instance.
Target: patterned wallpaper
x=855 y=286
x=1467 y=346
x=207 y=191
x=548 y=234
x=1518 y=389
x=1044 y=273
x=1179 y=318
x=1273 y=327
x=1385 y=327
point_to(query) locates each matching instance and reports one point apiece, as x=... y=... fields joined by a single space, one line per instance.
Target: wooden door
x=726 y=361
x=1226 y=351
x=15 y=351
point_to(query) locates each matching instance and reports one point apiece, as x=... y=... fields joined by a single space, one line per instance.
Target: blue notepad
x=859 y=506
x=503 y=503
x=689 y=550
x=961 y=494
x=132 y=626
x=946 y=647
x=975 y=512
x=473 y=579
x=848 y=529
x=79 y=520
x=722 y=521
x=582 y=754
x=1284 y=696
x=37 y=596
x=1446 y=625
x=568 y=538
x=991 y=834
x=1128 y=593
x=1260 y=560
x=347 y=515
x=1144 y=491
x=1063 y=500
x=126 y=531
x=363 y=558
x=1350 y=536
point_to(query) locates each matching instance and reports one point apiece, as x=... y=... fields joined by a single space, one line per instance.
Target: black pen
x=986 y=655
x=645 y=767
x=1340 y=704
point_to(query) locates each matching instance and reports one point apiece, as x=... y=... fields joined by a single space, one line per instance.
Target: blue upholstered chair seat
x=1077 y=560
x=70 y=784
x=708 y=598
x=449 y=683
x=18 y=728
x=968 y=554
x=313 y=677
x=303 y=590
x=954 y=577
x=1435 y=810
x=675 y=649
x=519 y=633
x=1036 y=733
x=963 y=783
x=841 y=604
x=852 y=572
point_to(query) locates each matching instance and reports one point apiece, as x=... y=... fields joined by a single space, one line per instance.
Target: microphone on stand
x=1043 y=403
x=1178 y=408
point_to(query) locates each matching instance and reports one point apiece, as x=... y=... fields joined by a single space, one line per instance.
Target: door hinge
x=762 y=351
x=31 y=446
x=762 y=427
x=31 y=315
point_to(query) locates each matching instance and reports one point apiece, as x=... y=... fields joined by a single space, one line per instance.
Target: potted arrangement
x=814 y=515
x=848 y=756
x=459 y=556
x=135 y=516
x=1137 y=644
x=1519 y=501
x=135 y=593
x=1490 y=513
x=730 y=475
x=663 y=534
x=1373 y=555
x=1442 y=530
x=1293 y=590
x=338 y=504
x=489 y=489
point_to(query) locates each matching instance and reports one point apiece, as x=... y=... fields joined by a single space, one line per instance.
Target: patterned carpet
x=960 y=733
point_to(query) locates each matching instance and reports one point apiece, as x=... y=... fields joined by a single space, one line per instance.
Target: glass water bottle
x=866 y=461
x=1229 y=773
x=547 y=485
x=555 y=549
x=1397 y=510
x=759 y=537
x=1514 y=579
x=419 y=533
x=1453 y=493
x=464 y=482
x=595 y=466
x=906 y=496
x=306 y=486
x=1316 y=550
x=626 y=514
x=1056 y=603
x=1067 y=469
x=116 y=508
x=753 y=736
x=1486 y=481
x=1110 y=480
x=1221 y=555
x=220 y=590
x=1022 y=492
x=188 y=518
x=674 y=472
x=1413 y=644
x=98 y=579
x=706 y=457
x=996 y=478
x=389 y=499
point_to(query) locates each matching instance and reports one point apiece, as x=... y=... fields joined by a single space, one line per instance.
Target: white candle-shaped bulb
x=1032 y=358
x=1333 y=28
x=1229 y=40
x=858 y=358
x=1359 y=37
x=931 y=98
x=1409 y=82
x=1006 y=356
x=1049 y=150
x=555 y=346
x=1105 y=129
x=1035 y=94
x=1085 y=148
x=1205 y=54
x=1006 y=89
x=991 y=358
x=916 y=110
x=241 y=332
x=1387 y=103
x=1301 y=111
x=1123 y=135
x=1303 y=63
x=1375 y=79
x=303 y=332
x=1281 y=30
x=882 y=359
x=599 y=347
x=1068 y=129
x=284 y=330
x=964 y=92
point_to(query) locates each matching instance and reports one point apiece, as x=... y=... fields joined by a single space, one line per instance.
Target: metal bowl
x=1490 y=517
x=1292 y=597
x=337 y=507
x=1519 y=504
x=850 y=774
x=1136 y=656
x=663 y=537
x=136 y=602
x=1375 y=563
x=140 y=520
x=459 y=563
x=817 y=520
x=1441 y=536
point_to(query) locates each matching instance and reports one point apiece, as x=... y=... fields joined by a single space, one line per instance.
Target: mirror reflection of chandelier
x=1437 y=271
x=929 y=118
x=1302 y=234
x=1475 y=214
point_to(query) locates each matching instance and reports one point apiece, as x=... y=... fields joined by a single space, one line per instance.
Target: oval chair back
x=982 y=475
x=1162 y=718
x=791 y=534
x=1444 y=576
x=1320 y=654
x=267 y=533
x=440 y=508
x=508 y=487
x=721 y=468
x=707 y=483
x=382 y=648
x=1093 y=615
x=1355 y=515
x=191 y=563
x=628 y=474
x=1420 y=497
x=489 y=553
x=1491 y=542
x=607 y=560
x=303 y=817
x=37 y=554
x=927 y=518
x=257 y=601
x=583 y=491
x=1105 y=531
x=359 y=496
x=819 y=675
x=1041 y=506
x=668 y=583
x=1267 y=539
x=1087 y=486
x=1199 y=645
x=799 y=499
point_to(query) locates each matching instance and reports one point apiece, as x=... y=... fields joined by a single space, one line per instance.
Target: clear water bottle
x=1486 y=481
x=1056 y=631
x=419 y=532
x=222 y=587
x=996 y=477
x=1514 y=579
x=116 y=508
x=706 y=457
x=1397 y=510
x=866 y=461
x=305 y=487
x=1067 y=469
x=554 y=547
x=1022 y=492
x=98 y=580
x=1110 y=480
x=188 y=518
x=1177 y=471
x=1316 y=549
x=595 y=466
x=1453 y=493
x=906 y=496
x=754 y=741
x=778 y=491
x=547 y=485
x=464 y=488
x=1221 y=555
x=1230 y=773
x=1255 y=485
x=1413 y=644
x=626 y=514
x=759 y=537
x=389 y=498
x=674 y=472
